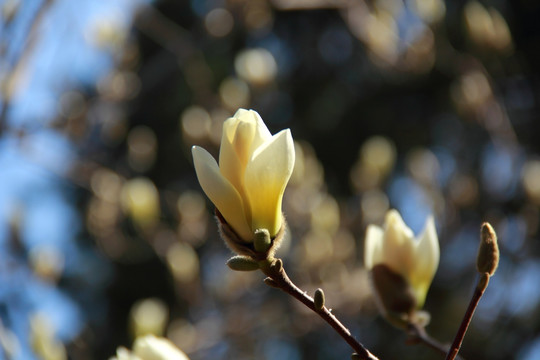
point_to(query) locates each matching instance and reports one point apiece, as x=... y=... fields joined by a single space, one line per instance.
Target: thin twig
x=279 y=279
x=418 y=334
x=478 y=292
x=170 y=35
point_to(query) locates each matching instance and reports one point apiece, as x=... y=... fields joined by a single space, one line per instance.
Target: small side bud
x=262 y=240
x=277 y=265
x=318 y=299
x=242 y=263
x=355 y=356
x=271 y=282
x=488 y=252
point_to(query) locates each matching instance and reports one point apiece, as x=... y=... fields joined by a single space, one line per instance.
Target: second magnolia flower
x=254 y=168
x=402 y=266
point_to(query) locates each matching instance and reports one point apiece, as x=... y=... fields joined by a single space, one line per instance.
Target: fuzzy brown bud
x=488 y=252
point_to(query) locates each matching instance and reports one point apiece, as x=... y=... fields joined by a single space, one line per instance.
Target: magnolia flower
x=405 y=264
x=150 y=347
x=254 y=168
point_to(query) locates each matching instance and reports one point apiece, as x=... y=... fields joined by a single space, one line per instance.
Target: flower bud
x=254 y=168
x=488 y=252
x=242 y=263
x=402 y=266
x=262 y=240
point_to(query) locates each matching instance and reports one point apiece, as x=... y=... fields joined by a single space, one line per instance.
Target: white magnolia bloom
x=254 y=168
x=150 y=347
x=414 y=259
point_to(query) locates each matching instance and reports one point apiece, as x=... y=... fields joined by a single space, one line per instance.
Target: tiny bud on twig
x=277 y=265
x=355 y=356
x=318 y=299
x=261 y=240
x=486 y=263
x=277 y=277
x=242 y=263
x=488 y=252
x=270 y=282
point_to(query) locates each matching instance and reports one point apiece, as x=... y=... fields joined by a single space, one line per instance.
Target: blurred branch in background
x=14 y=69
x=165 y=32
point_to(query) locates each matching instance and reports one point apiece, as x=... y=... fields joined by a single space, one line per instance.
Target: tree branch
x=478 y=292
x=277 y=277
x=417 y=334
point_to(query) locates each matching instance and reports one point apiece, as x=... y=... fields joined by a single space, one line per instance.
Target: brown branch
x=277 y=277
x=478 y=292
x=417 y=334
x=165 y=32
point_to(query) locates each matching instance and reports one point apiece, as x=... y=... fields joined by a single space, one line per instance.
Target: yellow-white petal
x=398 y=245
x=221 y=192
x=266 y=177
x=373 y=246
x=242 y=135
x=428 y=251
x=151 y=347
x=233 y=157
x=122 y=354
x=262 y=134
x=427 y=256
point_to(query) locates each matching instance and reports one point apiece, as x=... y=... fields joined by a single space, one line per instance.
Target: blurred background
x=427 y=106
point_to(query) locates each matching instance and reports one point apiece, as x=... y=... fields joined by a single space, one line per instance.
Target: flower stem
x=478 y=292
x=417 y=334
x=273 y=268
